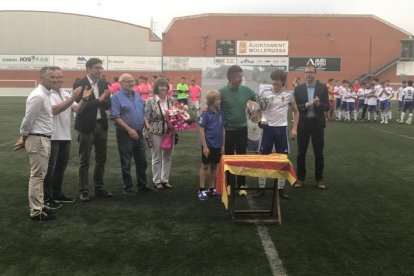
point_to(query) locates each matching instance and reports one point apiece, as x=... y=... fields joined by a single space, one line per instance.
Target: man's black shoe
x=129 y=192
x=84 y=196
x=63 y=199
x=49 y=211
x=51 y=204
x=146 y=189
x=43 y=216
x=103 y=193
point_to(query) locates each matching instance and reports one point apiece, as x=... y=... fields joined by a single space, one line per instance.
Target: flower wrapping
x=167 y=141
x=177 y=117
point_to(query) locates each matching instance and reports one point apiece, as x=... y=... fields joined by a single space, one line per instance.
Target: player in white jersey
x=400 y=95
x=391 y=95
x=349 y=99
x=275 y=132
x=360 y=100
x=408 y=94
x=376 y=86
x=338 y=97
x=383 y=95
x=371 y=103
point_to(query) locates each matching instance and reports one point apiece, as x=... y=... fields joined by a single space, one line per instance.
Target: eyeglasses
x=309 y=72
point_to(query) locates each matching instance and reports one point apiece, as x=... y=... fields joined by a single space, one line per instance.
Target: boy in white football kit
x=371 y=103
x=275 y=132
x=383 y=95
x=361 y=101
x=349 y=99
x=408 y=94
x=400 y=95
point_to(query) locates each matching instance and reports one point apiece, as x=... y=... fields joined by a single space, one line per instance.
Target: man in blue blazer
x=312 y=101
x=92 y=127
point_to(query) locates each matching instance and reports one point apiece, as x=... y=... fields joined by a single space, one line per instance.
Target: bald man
x=127 y=110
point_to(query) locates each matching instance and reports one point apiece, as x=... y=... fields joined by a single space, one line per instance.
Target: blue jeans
x=129 y=148
x=58 y=160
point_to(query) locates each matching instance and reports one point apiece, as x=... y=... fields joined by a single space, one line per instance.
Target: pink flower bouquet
x=177 y=117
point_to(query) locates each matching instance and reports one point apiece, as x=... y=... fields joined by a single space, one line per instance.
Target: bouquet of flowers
x=177 y=119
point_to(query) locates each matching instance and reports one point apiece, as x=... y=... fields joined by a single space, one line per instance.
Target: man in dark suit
x=312 y=101
x=92 y=127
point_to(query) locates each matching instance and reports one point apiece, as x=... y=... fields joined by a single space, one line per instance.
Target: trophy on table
x=263 y=104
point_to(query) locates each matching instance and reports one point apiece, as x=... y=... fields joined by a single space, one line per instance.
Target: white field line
x=272 y=256
x=389 y=132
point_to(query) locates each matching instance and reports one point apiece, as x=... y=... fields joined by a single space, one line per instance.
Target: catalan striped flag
x=273 y=165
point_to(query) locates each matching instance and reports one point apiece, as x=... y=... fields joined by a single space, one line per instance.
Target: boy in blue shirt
x=212 y=142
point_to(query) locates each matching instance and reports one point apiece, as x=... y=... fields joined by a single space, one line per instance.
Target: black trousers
x=236 y=143
x=58 y=160
x=310 y=131
x=98 y=140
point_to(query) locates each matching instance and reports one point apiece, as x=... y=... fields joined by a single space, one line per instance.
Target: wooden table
x=269 y=166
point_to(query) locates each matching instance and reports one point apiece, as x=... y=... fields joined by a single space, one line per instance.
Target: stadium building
x=199 y=46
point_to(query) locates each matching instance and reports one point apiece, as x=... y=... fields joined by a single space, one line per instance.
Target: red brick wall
x=348 y=37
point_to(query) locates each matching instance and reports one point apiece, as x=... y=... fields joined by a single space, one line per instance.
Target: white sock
x=281 y=183
x=402 y=116
x=262 y=182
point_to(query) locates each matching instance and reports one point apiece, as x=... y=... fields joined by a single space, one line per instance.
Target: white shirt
x=163 y=104
x=361 y=93
x=337 y=89
x=277 y=110
x=349 y=95
x=400 y=93
x=39 y=117
x=371 y=100
x=254 y=132
x=408 y=93
x=62 y=120
x=390 y=92
x=383 y=94
x=95 y=88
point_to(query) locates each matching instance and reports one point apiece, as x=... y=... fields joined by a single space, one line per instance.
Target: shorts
x=408 y=105
x=372 y=107
x=332 y=103
x=360 y=103
x=194 y=105
x=253 y=145
x=350 y=106
x=383 y=104
x=338 y=103
x=277 y=137
x=213 y=157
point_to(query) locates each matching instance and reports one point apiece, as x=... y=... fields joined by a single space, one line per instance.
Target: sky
x=161 y=12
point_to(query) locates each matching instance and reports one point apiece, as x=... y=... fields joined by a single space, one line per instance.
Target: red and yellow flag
x=273 y=165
